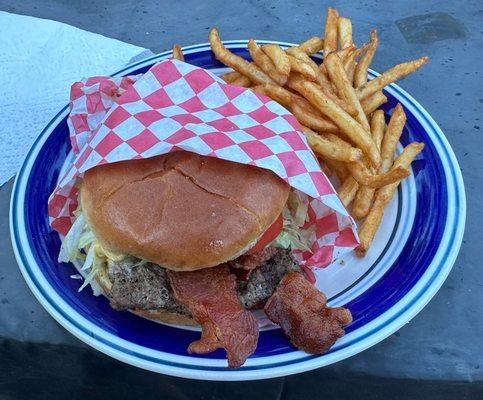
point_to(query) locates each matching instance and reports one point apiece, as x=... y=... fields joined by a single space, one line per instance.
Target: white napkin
x=39 y=60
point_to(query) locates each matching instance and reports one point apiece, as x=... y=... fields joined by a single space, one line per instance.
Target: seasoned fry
x=345 y=52
x=391 y=138
x=330 y=33
x=404 y=160
x=242 y=81
x=312 y=45
x=383 y=196
x=391 y=75
x=377 y=127
x=302 y=68
x=346 y=91
x=335 y=138
x=277 y=93
x=330 y=90
x=307 y=115
x=348 y=190
x=365 y=178
x=344 y=121
x=229 y=77
x=278 y=57
x=178 y=53
x=362 y=202
x=329 y=149
x=295 y=81
x=360 y=73
x=345 y=32
x=265 y=63
x=300 y=55
x=372 y=103
x=338 y=167
x=253 y=72
x=365 y=195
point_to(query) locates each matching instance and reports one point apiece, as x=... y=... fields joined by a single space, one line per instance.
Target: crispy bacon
x=301 y=311
x=252 y=261
x=210 y=296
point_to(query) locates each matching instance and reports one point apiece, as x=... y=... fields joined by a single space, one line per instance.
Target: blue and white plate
x=412 y=254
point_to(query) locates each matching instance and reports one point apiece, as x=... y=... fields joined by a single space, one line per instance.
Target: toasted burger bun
x=155 y=315
x=181 y=210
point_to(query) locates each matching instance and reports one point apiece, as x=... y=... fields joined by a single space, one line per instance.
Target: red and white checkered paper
x=177 y=106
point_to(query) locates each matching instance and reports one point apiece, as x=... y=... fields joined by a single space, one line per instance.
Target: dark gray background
x=439 y=354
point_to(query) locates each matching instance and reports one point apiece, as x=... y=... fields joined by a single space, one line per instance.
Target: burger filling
x=146 y=286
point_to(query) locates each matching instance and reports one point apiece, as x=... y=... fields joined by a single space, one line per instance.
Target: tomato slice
x=270 y=234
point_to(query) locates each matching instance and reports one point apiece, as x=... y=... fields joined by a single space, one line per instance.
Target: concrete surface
x=444 y=341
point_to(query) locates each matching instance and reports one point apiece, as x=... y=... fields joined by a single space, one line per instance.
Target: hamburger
x=187 y=239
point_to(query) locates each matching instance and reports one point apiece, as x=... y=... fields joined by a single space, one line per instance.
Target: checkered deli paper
x=176 y=106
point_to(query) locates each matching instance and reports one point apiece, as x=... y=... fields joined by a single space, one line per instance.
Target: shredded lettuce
x=69 y=250
x=81 y=247
x=94 y=262
x=294 y=215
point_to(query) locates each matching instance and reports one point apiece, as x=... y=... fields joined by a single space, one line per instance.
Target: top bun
x=181 y=210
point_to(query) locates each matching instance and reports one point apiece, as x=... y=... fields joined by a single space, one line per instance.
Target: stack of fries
x=337 y=108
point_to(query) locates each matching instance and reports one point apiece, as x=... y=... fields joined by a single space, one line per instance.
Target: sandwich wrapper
x=176 y=106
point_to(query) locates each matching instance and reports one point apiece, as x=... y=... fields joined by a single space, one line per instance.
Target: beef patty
x=145 y=286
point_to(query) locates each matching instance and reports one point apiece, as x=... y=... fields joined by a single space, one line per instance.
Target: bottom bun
x=155 y=315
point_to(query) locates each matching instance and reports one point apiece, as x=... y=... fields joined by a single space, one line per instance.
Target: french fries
x=364 y=177
x=277 y=93
x=329 y=149
x=345 y=52
x=383 y=196
x=377 y=127
x=391 y=75
x=391 y=138
x=307 y=115
x=229 y=77
x=338 y=110
x=330 y=33
x=365 y=195
x=279 y=58
x=348 y=190
x=295 y=82
x=345 y=32
x=302 y=68
x=349 y=63
x=344 y=121
x=373 y=102
x=338 y=167
x=265 y=63
x=242 y=81
x=346 y=91
x=253 y=72
x=299 y=54
x=312 y=45
x=178 y=53
x=360 y=73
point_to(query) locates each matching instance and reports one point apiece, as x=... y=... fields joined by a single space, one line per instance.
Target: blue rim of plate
x=420 y=268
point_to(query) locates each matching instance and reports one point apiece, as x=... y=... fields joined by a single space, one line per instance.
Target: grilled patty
x=145 y=286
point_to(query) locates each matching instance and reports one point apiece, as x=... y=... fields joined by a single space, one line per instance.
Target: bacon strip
x=210 y=296
x=302 y=313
